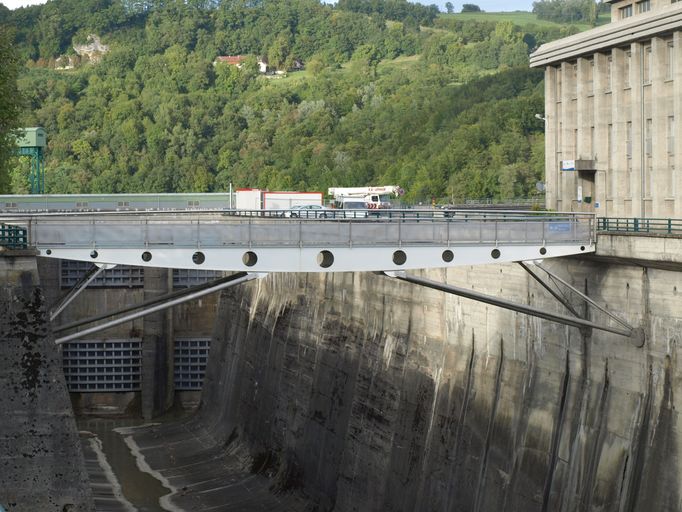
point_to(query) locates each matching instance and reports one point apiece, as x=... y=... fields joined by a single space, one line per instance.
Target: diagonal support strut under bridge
x=636 y=335
x=233 y=280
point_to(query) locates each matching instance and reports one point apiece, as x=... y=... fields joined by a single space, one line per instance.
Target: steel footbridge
x=267 y=241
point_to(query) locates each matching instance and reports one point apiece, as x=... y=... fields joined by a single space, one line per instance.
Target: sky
x=486 y=5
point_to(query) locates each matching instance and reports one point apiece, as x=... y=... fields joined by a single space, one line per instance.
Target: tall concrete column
x=677 y=104
x=155 y=352
x=584 y=104
x=619 y=121
x=551 y=127
x=585 y=125
x=661 y=108
x=637 y=98
x=602 y=118
x=567 y=135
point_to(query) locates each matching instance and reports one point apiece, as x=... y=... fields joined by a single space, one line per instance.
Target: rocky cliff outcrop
x=93 y=49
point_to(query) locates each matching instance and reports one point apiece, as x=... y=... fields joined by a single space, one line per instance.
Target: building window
x=611 y=190
x=609 y=68
x=626 y=69
x=670 y=68
x=670 y=182
x=646 y=72
x=643 y=6
x=625 y=12
x=648 y=174
x=559 y=156
x=628 y=154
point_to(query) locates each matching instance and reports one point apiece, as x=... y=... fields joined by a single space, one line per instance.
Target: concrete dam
x=356 y=392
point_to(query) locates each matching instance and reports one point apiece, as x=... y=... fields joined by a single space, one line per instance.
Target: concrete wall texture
x=377 y=395
x=41 y=463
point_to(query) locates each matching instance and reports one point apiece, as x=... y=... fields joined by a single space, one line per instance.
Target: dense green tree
x=156 y=115
x=9 y=104
x=567 y=11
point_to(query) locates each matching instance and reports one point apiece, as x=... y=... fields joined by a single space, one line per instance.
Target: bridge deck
x=249 y=240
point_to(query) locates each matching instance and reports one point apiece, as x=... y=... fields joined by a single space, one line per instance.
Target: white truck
x=256 y=199
x=365 y=197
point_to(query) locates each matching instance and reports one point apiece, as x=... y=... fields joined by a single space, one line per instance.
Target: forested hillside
x=391 y=94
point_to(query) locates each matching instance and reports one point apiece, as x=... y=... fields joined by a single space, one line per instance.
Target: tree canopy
x=9 y=104
x=389 y=94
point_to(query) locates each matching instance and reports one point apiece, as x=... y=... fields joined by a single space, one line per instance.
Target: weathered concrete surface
x=370 y=394
x=41 y=463
x=207 y=475
x=643 y=249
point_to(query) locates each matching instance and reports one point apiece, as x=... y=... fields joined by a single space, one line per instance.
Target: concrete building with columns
x=613 y=114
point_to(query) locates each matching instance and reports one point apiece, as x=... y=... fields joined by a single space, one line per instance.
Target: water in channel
x=106 y=454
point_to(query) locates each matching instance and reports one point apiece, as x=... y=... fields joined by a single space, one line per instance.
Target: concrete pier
x=41 y=460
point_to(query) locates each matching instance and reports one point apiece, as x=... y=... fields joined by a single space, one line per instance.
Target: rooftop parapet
x=618 y=33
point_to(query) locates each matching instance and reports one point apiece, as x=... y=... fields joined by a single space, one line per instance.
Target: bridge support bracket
x=155 y=305
x=81 y=285
x=636 y=336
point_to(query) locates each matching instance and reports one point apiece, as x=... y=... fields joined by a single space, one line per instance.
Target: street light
x=538 y=116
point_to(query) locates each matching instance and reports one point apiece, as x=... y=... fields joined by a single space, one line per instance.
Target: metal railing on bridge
x=256 y=228
x=13 y=237
x=324 y=240
x=640 y=225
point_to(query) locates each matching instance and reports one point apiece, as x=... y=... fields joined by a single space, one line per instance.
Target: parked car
x=308 y=211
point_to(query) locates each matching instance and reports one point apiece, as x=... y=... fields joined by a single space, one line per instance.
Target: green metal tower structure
x=32 y=144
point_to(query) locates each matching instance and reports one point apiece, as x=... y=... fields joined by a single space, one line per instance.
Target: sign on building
x=568 y=165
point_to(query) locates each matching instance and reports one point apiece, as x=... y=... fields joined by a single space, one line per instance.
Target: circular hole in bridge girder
x=249 y=258
x=495 y=253
x=94 y=254
x=448 y=256
x=146 y=256
x=399 y=257
x=198 y=258
x=543 y=250
x=325 y=259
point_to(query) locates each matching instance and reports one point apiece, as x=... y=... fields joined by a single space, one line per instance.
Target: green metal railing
x=13 y=237
x=640 y=225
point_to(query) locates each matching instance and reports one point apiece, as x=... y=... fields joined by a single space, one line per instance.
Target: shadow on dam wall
x=357 y=393
x=354 y=392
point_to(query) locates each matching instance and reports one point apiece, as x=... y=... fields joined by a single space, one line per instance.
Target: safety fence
x=13 y=237
x=392 y=227
x=640 y=225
